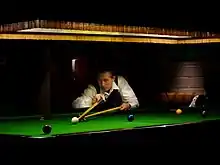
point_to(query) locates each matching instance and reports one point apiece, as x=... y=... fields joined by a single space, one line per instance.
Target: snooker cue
x=88 y=110
x=101 y=112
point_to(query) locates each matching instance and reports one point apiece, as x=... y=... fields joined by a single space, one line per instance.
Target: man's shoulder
x=91 y=86
x=121 y=78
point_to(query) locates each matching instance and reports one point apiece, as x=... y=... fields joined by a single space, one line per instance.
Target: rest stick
x=101 y=112
x=88 y=110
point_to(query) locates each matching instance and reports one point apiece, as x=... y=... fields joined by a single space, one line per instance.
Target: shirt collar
x=114 y=86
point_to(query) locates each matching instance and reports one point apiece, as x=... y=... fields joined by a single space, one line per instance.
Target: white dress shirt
x=127 y=94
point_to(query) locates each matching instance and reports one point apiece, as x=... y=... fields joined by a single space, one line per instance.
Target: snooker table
x=147 y=128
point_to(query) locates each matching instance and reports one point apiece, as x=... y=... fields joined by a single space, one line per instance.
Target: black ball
x=130 y=118
x=47 y=129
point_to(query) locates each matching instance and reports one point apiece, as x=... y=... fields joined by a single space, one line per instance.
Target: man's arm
x=85 y=100
x=193 y=103
x=128 y=95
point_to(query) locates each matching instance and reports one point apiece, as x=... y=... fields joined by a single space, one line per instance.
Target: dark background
x=149 y=69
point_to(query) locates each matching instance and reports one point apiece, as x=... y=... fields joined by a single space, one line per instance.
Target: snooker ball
x=130 y=118
x=178 y=111
x=204 y=113
x=75 y=120
x=47 y=129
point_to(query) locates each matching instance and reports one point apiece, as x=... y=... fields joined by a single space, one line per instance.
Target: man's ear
x=113 y=77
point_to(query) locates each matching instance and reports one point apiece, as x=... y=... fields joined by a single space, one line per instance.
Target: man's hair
x=104 y=70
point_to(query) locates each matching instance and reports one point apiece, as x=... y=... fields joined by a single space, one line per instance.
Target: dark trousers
x=201 y=102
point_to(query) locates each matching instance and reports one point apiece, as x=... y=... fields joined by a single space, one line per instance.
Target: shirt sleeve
x=128 y=95
x=85 y=100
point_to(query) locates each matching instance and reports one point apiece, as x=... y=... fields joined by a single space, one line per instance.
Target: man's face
x=105 y=81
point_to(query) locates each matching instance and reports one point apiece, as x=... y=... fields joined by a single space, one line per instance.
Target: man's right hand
x=97 y=98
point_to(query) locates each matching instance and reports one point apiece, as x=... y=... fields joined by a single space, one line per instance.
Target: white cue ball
x=75 y=120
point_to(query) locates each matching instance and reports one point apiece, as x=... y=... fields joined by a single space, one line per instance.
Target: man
x=114 y=90
x=199 y=101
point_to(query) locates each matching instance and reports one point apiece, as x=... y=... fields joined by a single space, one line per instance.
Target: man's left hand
x=125 y=106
